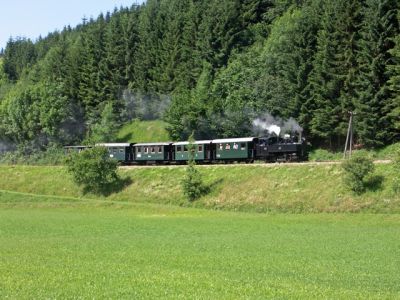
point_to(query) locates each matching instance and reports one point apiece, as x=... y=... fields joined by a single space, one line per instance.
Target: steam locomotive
x=270 y=148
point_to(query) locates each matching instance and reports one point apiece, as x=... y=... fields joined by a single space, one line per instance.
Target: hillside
x=212 y=67
x=267 y=188
x=143 y=131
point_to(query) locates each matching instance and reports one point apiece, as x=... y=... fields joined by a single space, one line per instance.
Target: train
x=271 y=148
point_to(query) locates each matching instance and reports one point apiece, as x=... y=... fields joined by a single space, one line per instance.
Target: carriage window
x=121 y=150
x=179 y=148
x=221 y=147
x=235 y=146
x=185 y=148
x=159 y=149
x=153 y=150
x=146 y=149
x=228 y=147
x=200 y=148
x=115 y=150
x=243 y=146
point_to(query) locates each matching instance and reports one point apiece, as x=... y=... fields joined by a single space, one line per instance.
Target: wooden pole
x=347 y=139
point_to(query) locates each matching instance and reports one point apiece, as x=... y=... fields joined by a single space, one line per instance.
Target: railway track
x=261 y=164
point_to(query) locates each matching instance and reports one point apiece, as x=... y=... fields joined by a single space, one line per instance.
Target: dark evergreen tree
x=93 y=56
x=330 y=84
x=393 y=70
x=374 y=106
x=19 y=54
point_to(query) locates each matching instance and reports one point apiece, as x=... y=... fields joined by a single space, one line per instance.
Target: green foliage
x=375 y=103
x=221 y=62
x=18 y=55
x=106 y=130
x=36 y=114
x=52 y=156
x=192 y=184
x=93 y=169
x=357 y=169
x=324 y=155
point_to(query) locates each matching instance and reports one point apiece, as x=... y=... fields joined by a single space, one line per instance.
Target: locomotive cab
x=275 y=148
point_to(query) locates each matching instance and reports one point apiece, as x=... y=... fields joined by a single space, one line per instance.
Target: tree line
x=221 y=62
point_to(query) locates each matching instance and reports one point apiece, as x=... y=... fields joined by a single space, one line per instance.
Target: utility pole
x=349 y=137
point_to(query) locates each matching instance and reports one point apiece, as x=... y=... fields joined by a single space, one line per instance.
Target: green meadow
x=276 y=231
x=63 y=247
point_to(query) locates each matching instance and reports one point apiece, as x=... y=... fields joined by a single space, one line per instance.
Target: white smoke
x=145 y=106
x=274 y=125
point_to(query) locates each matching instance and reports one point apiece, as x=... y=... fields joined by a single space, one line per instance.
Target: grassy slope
x=65 y=248
x=288 y=188
x=387 y=152
x=143 y=131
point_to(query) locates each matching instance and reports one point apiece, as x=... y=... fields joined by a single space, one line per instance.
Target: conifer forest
x=208 y=66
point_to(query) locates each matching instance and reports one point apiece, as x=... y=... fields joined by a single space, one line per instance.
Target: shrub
x=93 y=169
x=192 y=183
x=324 y=155
x=357 y=168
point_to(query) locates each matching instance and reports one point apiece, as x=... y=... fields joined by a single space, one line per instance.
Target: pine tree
x=393 y=71
x=93 y=43
x=380 y=25
x=192 y=183
x=132 y=43
x=330 y=84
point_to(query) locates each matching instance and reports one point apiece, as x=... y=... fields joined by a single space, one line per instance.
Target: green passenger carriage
x=119 y=151
x=235 y=149
x=152 y=152
x=202 y=151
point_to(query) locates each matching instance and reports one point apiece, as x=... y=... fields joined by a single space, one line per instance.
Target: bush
x=192 y=183
x=324 y=155
x=357 y=168
x=93 y=169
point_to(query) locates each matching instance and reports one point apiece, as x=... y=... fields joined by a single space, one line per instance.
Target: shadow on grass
x=214 y=185
x=106 y=190
x=126 y=137
x=374 y=183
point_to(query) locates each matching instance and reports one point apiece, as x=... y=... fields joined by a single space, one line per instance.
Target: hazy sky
x=31 y=18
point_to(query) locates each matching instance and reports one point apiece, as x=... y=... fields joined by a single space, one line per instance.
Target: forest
x=208 y=66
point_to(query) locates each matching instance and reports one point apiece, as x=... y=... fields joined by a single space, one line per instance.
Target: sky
x=31 y=18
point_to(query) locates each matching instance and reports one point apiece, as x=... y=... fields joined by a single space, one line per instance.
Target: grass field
x=55 y=247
